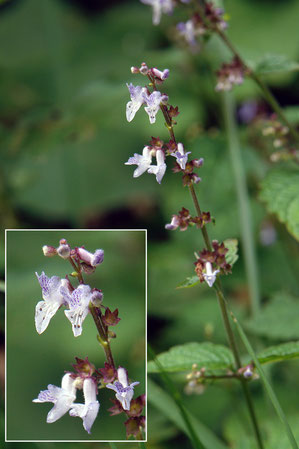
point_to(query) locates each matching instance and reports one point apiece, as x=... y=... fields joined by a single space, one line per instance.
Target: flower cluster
x=207 y=260
x=86 y=378
x=156 y=101
x=230 y=74
x=183 y=219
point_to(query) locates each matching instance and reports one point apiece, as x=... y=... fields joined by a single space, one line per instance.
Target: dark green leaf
x=279 y=353
x=182 y=357
x=270 y=63
x=277 y=320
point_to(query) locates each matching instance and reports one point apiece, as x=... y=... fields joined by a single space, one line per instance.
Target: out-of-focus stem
x=243 y=203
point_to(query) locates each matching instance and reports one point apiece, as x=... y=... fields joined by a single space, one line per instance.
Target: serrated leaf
x=279 y=353
x=189 y=282
x=277 y=320
x=271 y=63
x=231 y=256
x=205 y=355
x=280 y=192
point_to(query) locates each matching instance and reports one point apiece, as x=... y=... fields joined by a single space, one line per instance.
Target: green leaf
x=277 y=320
x=279 y=353
x=231 y=256
x=189 y=282
x=205 y=355
x=164 y=402
x=271 y=63
x=280 y=192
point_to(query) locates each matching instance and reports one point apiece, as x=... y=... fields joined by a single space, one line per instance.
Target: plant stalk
x=220 y=296
x=243 y=203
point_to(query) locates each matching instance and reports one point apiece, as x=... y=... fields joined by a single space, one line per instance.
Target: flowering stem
x=221 y=301
x=243 y=201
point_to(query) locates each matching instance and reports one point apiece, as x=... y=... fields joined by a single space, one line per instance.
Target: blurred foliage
x=64 y=65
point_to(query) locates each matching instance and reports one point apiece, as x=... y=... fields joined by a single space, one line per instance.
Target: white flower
x=210 y=275
x=160 y=168
x=89 y=410
x=181 y=156
x=187 y=30
x=159 y=7
x=174 y=224
x=153 y=104
x=78 y=302
x=53 y=299
x=62 y=398
x=92 y=259
x=124 y=391
x=143 y=161
x=137 y=99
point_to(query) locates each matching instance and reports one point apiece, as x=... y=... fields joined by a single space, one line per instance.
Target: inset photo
x=76 y=335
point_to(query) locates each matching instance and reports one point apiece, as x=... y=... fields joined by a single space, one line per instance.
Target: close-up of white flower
x=52 y=300
x=137 y=99
x=124 y=391
x=62 y=397
x=210 y=275
x=89 y=410
x=181 y=156
x=78 y=302
x=159 y=7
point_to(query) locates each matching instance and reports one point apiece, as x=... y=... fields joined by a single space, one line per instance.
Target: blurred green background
x=34 y=361
x=65 y=138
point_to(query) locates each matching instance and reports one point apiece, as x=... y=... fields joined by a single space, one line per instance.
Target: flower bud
x=143 y=69
x=134 y=70
x=49 y=251
x=164 y=99
x=97 y=297
x=64 y=250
